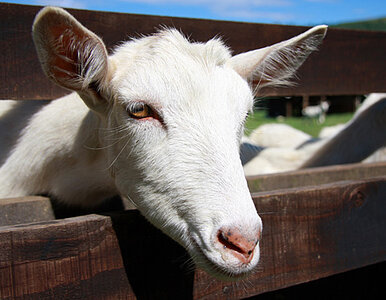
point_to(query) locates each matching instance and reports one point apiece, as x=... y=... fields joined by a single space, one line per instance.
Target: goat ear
x=70 y=54
x=276 y=65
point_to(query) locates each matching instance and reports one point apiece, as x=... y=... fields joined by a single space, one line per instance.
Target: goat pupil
x=139 y=110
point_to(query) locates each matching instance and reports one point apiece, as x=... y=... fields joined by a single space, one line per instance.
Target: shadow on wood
x=62 y=210
x=75 y=258
x=363 y=283
x=309 y=233
x=156 y=266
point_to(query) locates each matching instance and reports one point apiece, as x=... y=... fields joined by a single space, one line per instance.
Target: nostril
x=224 y=239
x=241 y=246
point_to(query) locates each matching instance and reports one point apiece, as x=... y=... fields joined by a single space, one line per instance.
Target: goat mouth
x=212 y=268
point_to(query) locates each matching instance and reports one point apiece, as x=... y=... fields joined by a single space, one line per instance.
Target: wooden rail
x=309 y=233
x=317 y=222
x=349 y=62
x=25 y=210
x=315 y=176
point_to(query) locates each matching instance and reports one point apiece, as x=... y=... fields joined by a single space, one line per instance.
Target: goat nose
x=242 y=246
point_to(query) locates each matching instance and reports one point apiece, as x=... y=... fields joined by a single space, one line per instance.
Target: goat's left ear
x=276 y=64
x=71 y=55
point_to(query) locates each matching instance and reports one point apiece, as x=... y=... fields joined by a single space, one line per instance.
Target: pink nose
x=242 y=246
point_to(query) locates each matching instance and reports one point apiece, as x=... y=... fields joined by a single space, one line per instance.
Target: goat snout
x=240 y=245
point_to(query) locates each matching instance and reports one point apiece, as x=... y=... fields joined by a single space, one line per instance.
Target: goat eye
x=139 y=110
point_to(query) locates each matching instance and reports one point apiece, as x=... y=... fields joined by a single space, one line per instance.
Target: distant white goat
x=371 y=99
x=158 y=121
x=278 y=135
x=363 y=138
x=274 y=160
x=317 y=111
x=329 y=131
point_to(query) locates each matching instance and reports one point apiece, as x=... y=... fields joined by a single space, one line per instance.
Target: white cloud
x=266 y=3
x=249 y=10
x=63 y=3
x=323 y=1
x=244 y=9
x=255 y=15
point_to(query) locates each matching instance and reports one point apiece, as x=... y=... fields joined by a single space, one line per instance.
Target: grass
x=309 y=126
x=375 y=24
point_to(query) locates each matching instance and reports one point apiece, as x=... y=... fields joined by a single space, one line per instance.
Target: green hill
x=376 y=24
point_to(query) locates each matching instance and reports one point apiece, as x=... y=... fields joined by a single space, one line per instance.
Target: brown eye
x=139 y=110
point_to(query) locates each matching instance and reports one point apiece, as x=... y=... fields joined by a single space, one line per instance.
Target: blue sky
x=291 y=12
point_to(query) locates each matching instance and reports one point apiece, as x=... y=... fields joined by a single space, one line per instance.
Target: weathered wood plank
x=315 y=176
x=309 y=233
x=337 y=69
x=76 y=258
x=362 y=283
x=25 y=210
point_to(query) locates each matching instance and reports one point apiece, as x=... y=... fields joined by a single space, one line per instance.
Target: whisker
x=120 y=152
x=131 y=201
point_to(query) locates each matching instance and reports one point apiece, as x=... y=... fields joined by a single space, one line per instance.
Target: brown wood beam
x=25 y=210
x=309 y=233
x=315 y=176
x=349 y=62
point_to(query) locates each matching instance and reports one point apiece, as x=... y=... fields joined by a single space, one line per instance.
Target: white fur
x=180 y=168
x=330 y=131
x=359 y=139
x=278 y=136
x=336 y=145
x=274 y=159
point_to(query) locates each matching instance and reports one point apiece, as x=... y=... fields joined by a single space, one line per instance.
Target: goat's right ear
x=70 y=54
x=275 y=65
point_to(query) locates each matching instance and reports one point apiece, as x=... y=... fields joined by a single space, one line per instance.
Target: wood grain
x=315 y=176
x=349 y=62
x=309 y=233
x=76 y=258
x=25 y=210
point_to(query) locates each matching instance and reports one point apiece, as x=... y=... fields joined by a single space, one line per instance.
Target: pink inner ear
x=65 y=64
x=71 y=55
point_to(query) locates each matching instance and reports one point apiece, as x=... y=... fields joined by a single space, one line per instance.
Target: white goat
x=278 y=135
x=161 y=125
x=329 y=131
x=361 y=137
x=340 y=146
x=317 y=111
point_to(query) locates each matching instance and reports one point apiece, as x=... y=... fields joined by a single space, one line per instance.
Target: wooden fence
x=317 y=222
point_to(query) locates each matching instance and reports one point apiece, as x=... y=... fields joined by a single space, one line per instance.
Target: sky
x=289 y=12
